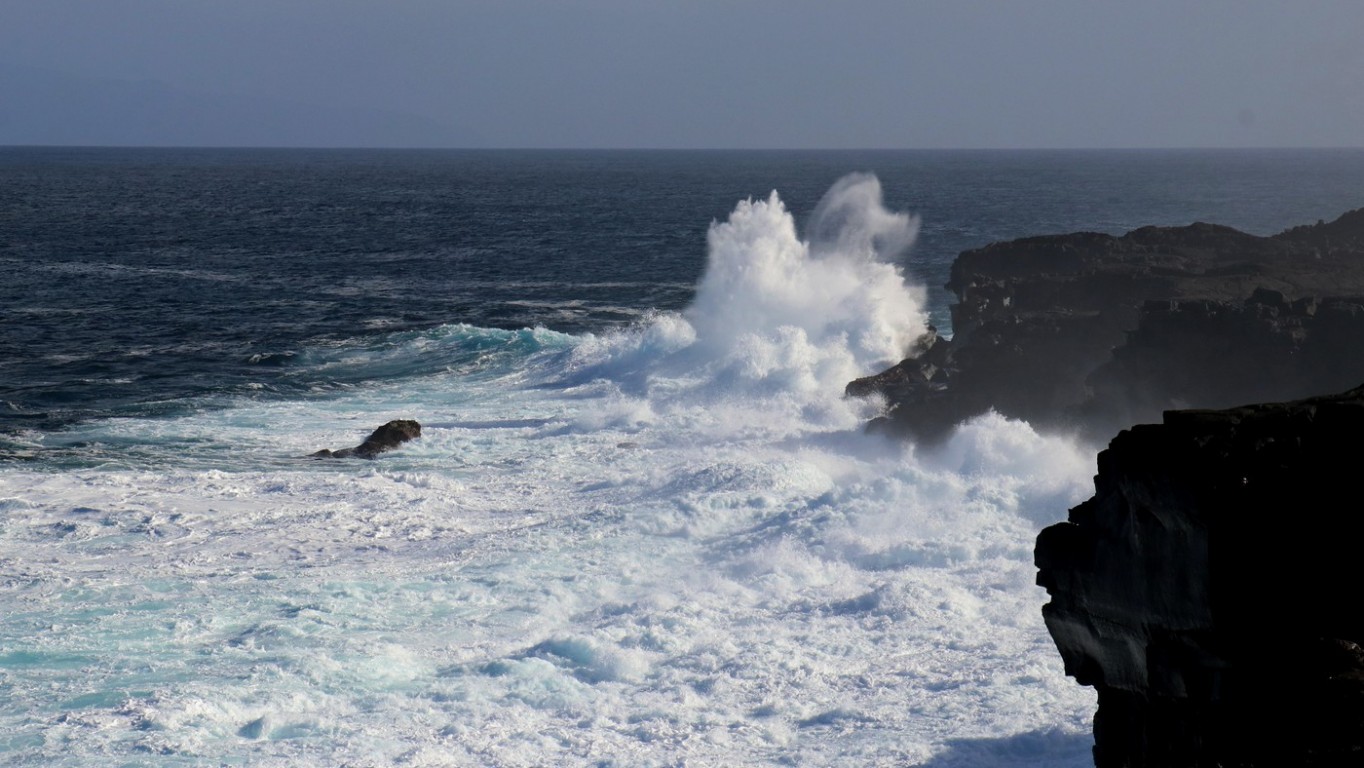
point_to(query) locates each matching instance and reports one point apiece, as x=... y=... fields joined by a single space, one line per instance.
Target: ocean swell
x=672 y=543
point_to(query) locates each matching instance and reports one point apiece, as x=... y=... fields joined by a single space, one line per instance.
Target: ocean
x=642 y=526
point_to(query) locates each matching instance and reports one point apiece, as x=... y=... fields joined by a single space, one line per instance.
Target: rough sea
x=642 y=526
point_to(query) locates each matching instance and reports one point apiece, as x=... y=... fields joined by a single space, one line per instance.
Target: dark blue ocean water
x=133 y=281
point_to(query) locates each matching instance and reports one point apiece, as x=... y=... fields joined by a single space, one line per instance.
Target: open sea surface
x=642 y=526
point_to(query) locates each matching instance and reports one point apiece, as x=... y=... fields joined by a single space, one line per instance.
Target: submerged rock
x=1207 y=590
x=385 y=438
x=1089 y=332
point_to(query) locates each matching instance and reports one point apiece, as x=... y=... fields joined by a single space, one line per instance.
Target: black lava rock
x=1207 y=590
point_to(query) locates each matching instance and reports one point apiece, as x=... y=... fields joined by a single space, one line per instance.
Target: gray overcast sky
x=703 y=73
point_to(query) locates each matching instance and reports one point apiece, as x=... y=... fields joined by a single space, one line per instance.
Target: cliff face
x=1207 y=589
x=1217 y=354
x=1037 y=319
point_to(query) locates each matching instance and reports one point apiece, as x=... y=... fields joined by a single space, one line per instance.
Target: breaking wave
x=668 y=544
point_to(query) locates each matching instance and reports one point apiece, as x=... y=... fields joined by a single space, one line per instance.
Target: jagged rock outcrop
x=1207 y=590
x=1038 y=318
x=385 y=438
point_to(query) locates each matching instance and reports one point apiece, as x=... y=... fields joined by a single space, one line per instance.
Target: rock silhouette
x=1208 y=589
x=385 y=438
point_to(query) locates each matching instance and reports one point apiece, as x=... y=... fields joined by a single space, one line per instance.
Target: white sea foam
x=664 y=545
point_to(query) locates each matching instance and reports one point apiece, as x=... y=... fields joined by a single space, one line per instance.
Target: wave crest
x=774 y=314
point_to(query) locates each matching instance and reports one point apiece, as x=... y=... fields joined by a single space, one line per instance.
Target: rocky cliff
x=1207 y=589
x=1089 y=332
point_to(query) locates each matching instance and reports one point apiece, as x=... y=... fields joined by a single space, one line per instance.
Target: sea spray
x=838 y=291
x=778 y=324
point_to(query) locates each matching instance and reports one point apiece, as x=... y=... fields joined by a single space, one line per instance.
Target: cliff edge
x=1207 y=589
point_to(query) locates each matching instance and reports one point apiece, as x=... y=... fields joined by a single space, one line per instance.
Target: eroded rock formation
x=1208 y=590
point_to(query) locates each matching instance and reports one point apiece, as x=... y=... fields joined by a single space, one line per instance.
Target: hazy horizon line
x=394 y=148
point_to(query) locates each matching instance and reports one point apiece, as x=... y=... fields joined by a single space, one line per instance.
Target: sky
x=683 y=74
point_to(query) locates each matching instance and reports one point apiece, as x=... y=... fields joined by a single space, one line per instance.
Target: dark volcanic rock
x=1207 y=589
x=919 y=378
x=1214 y=354
x=1037 y=318
x=385 y=438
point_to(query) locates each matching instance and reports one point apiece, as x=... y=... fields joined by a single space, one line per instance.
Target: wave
x=456 y=349
x=779 y=323
x=669 y=543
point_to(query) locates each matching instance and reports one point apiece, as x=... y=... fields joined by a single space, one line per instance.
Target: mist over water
x=838 y=288
x=779 y=324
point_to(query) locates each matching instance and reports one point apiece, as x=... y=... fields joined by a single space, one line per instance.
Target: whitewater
x=667 y=544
